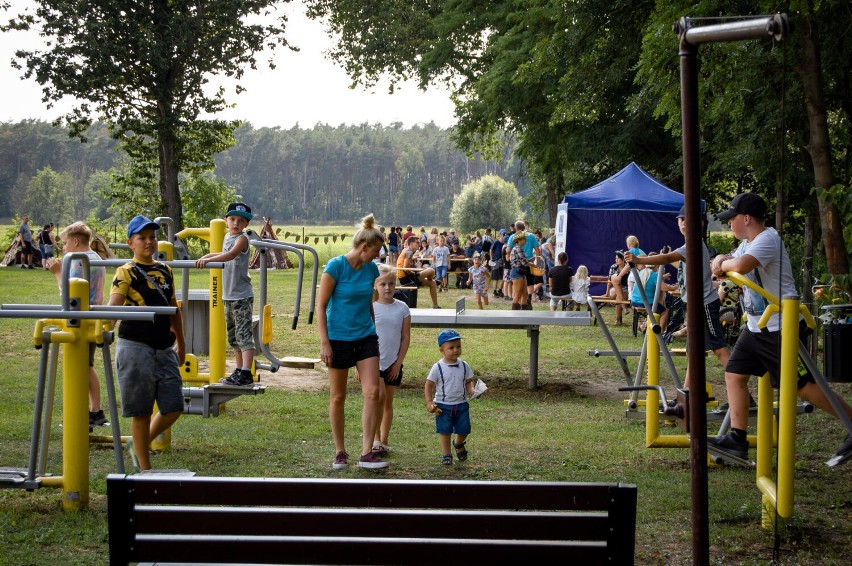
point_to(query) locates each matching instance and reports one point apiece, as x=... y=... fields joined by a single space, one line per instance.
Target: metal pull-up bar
x=691 y=36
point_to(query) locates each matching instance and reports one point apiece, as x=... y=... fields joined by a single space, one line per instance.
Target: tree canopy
x=144 y=68
x=487 y=201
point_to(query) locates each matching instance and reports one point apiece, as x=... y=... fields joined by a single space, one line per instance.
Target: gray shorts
x=238 y=322
x=145 y=375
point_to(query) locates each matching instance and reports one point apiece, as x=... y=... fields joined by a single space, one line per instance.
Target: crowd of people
x=363 y=324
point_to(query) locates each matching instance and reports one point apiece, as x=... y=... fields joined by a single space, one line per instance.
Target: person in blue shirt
x=348 y=338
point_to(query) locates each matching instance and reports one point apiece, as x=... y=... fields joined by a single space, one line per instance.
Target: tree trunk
x=819 y=146
x=169 y=190
x=554 y=187
x=809 y=245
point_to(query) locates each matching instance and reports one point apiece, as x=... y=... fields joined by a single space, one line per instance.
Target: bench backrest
x=351 y=521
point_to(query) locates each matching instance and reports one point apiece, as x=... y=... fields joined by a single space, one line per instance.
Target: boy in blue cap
x=237 y=292
x=147 y=365
x=449 y=385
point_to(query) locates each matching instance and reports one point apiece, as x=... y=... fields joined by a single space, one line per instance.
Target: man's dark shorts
x=756 y=353
x=27 y=247
x=393 y=382
x=346 y=353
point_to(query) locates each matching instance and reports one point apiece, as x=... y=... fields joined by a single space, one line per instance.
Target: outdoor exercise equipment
x=652 y=334
x=263 y=331
x=73 y=325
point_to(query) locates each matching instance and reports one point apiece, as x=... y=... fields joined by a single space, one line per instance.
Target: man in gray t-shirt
x=26 y=234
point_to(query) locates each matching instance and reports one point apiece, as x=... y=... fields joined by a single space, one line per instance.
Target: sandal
x=461 y=451
x=447 y=460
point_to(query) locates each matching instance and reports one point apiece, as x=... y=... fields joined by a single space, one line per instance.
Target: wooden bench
x=159 y=518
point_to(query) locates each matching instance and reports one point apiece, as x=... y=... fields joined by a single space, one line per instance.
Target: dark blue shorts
x=346 y=353
x=453 y=419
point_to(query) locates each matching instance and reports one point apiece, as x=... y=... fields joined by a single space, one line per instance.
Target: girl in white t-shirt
x=580 y=288
x=393 y=326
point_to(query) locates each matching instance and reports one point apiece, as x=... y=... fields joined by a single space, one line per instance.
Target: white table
x=531 y=321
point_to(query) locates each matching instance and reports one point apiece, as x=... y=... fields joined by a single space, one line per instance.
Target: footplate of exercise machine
x=718 y=456
x=205 y=401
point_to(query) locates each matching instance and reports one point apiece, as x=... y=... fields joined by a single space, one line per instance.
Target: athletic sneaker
x=380 y=450
x=729 y=445
x=233 y=378
x=370 y=460
x=97 y=418
x=340 y=461
x=244 y=378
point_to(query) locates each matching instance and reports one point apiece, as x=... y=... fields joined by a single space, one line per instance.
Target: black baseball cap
x=239 y=209
x=745 y=203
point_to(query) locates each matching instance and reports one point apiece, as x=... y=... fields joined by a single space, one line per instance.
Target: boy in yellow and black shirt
x=147 y=364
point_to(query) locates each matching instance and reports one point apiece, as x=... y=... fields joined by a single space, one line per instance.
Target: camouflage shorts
x=238 y=315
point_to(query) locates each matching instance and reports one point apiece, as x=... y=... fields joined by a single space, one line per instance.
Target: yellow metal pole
x=765 y=432
x=75 y=408
x=217 y=307
x=652 y=403
x=765 y=444
x=787 y=404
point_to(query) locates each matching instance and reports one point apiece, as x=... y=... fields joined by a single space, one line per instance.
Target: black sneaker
x=97 y=418
x=244 y=378
x=729 y=445
x=233 y=378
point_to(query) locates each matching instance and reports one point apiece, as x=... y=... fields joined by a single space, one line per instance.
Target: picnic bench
x=160 y=518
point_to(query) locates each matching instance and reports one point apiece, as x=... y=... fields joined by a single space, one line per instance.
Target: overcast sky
x=305 y=87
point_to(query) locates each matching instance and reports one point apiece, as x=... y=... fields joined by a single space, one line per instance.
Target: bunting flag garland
x=334 y=238
x=316 y=240
x=286 y=235
x=278 y=230
x=297 y=237
x=325 y=239
x=343 y=236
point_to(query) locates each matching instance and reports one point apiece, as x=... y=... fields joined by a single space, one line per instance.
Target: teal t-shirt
x=348 y=312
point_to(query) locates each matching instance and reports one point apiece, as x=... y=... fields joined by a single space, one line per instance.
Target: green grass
x=572 y=428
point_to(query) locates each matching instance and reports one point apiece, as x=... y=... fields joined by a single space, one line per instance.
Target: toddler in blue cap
x=449 y=385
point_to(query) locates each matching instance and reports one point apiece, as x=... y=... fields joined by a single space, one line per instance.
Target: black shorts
x=394 y=382
x=410 y=281
x=757 y=353
x=346 y=353
x=27 y=248
x=714 y=336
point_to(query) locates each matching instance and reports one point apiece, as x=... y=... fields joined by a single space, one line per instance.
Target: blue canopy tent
x=593 y=224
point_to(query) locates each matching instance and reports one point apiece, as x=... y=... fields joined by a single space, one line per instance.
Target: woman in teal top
x=348 y=338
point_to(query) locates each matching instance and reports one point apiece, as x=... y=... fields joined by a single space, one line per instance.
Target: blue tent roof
x=629 y=189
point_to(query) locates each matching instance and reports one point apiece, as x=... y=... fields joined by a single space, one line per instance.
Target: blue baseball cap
x=139 y=223
x=448 y=335
x=239 y=209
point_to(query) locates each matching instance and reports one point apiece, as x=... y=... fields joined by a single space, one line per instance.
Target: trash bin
x=837 y=335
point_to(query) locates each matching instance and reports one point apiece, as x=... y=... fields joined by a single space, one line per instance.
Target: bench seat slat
x=370 y=522
x=184 y=519
x=374 y=550
x=372 y=493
